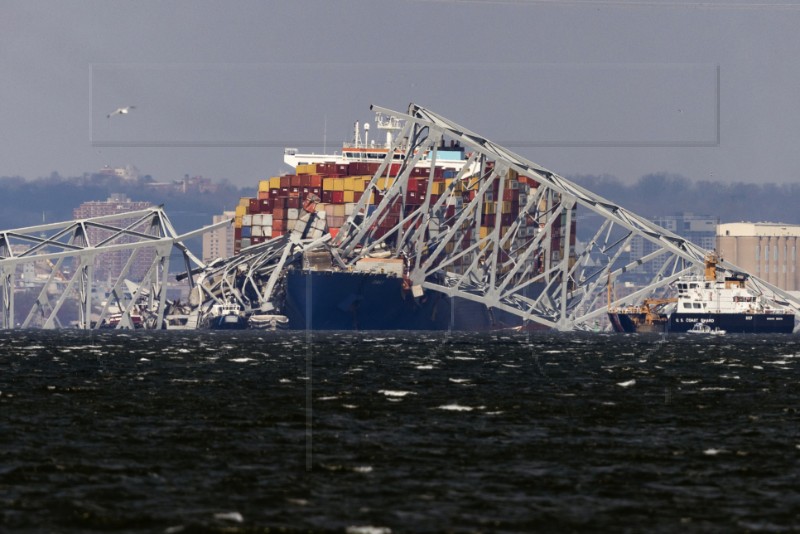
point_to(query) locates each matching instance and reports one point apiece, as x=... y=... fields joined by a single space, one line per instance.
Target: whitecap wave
x=235 y=517
x=367 y=529
x=455 y=408
x=395 y=393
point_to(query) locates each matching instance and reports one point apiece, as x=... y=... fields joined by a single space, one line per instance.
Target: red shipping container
x=294 y=202
x=357 y=196
x=274 y=193
x=507 y=219
x=276 y=233
x=237 y=233
x=254 y=206
x=294 y=181
x=284 y=191
x=303 y=180
x=411 y=224
x=266 y=205
x=286 y=181
x=315 y=180
x=337 y=197
x=278 y=224
x=263 y=194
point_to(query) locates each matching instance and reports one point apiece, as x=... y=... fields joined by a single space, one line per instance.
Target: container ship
x=720 y=302
x=375 y=293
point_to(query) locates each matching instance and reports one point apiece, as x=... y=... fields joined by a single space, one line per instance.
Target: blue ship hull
x=330 y=300
x=735 y=323
x=732 y=323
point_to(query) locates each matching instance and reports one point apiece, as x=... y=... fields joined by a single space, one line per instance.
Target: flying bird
x=121 y=111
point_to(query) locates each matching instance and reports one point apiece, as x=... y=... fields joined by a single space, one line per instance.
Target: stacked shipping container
x=318 y=198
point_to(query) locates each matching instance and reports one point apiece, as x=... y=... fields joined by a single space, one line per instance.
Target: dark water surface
x=214 y=432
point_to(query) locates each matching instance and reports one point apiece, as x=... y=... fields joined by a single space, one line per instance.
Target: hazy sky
x=704 y=89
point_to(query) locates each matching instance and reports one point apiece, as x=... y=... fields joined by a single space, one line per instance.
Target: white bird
x=626 y=384
x=121 y=111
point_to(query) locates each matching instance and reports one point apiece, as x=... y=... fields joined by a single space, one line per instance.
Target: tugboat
x=725 y=304
x=225 y=316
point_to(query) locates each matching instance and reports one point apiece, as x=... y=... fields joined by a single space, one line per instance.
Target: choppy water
x=253 y=432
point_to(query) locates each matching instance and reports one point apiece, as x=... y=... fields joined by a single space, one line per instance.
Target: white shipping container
x=267 y=231
x=349 y=208
x=247 y=220
x=257 y=219
x=257 y=231
x=292 y=214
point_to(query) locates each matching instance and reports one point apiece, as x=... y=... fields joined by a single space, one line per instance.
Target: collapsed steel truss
x=532 y=267
x=61 y=260
x=574 y=285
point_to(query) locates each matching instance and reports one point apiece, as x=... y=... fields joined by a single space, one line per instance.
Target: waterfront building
x=767 y=250
x=219 y=243
x=109 y=265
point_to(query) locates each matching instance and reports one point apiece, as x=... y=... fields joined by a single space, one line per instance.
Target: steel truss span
x=461 y=241
x=56 y=264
